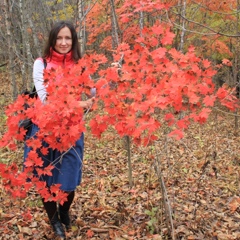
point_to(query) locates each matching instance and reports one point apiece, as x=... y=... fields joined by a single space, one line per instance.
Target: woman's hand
x=88 y=103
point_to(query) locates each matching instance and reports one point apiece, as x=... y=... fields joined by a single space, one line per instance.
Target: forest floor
x=201 y=175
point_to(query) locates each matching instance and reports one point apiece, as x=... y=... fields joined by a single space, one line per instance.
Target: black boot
x=65 y=219
x=51 y=209
x=64 y=211
x=58 y=229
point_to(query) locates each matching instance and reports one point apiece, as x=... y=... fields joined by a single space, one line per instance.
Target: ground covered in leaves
x=201 y=175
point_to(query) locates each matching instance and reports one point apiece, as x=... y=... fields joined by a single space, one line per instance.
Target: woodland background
x=187 y=189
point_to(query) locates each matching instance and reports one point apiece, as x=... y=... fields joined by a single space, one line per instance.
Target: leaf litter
x=201 y=174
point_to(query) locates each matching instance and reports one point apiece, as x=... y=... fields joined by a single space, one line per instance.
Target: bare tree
x=27 y=60
x=236 y=63
x=83 y=8
x=7 y=4
x=115 y=27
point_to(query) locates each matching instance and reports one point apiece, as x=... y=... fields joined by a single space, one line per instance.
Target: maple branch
x=166 y=201
x=104 y=228
x=228 y=113
x=206 y=8
x=3 y=64
x=128 y=144
x=201 y=25
x=214 y=32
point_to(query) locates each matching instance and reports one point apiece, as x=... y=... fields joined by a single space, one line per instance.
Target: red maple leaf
x=209 y=101
x=178 y=134
x=168 y=37
x=183 y=123
x=90 y=233
x=222 y=93
x=227 y=62
x=158 y=29
x=206 y=63
x=203 y=115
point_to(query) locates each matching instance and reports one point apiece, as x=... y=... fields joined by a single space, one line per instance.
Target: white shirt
x=38 y=68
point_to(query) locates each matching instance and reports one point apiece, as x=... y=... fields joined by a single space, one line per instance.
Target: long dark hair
x=76 y=55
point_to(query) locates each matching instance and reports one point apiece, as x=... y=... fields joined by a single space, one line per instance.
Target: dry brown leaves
x=201 y=174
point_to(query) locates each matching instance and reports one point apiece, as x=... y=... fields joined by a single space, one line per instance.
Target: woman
x=62 y=49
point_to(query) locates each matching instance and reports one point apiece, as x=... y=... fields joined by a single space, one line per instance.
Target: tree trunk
x=24 y=47
x=236 y=66
x=183 y=13
x=37 y=45
x=82 y=25
x=115 y=43
x=115 y=28
x=7 y=12
x=128 y=146
x=141 y=22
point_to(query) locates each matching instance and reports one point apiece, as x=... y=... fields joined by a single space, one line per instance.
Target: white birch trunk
x=183 y=13
x=82 y=26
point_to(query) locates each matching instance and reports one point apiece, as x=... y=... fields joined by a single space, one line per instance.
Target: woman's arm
x=38 y=80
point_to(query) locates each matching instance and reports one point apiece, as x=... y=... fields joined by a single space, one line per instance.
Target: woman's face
x=64 y=41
